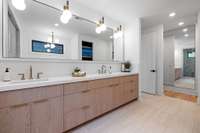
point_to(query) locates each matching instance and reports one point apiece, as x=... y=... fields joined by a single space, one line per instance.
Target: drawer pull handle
x=86 y=107
x=41 y=101
x=86 y=91
x=114 y=85
x=20 y=105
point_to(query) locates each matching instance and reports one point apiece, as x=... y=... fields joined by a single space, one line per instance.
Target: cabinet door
x=118 y=95
x=104 y=100
x=130 y=91
x=15 y=119
x=79 y=107
x=47 y=116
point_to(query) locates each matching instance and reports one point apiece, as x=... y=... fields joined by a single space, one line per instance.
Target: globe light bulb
x=19 y=4
x=98 y=30
x=66 y=16
x=103 y=27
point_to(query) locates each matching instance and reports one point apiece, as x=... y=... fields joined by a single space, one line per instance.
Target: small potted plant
x=126 y=66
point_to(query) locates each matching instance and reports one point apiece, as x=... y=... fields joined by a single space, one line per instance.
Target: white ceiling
x=126 y=10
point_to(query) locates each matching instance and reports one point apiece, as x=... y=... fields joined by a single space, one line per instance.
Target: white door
x=148 y=62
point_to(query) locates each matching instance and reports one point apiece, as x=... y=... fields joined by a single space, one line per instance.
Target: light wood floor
x=181 y=96
x=151 y=114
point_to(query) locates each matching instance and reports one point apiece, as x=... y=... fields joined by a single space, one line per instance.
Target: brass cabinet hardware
x=20 y=105
x=41 y=101
x=86 y=107
x=85 y=91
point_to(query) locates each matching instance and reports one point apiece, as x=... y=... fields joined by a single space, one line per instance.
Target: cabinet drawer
x=19 y=97
x=130 y=79
x=77 y=100
x=75 y=88
x=74 y=118
x=103 y=83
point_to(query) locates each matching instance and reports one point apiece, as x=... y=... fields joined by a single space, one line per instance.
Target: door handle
x=153 y=71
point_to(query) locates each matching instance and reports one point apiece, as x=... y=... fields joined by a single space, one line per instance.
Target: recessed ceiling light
x=173 y=14
x=186 y=35
x=185 y=30
x=181 y=23
x=56 y=25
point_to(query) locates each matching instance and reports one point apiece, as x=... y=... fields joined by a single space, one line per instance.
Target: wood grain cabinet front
x=47 y=116
x=56 y=109
x=79 y=104
x=36 y=110
x=15 y=119
x=130 y=85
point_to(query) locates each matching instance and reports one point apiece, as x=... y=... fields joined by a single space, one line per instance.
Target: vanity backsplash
x=52 y=69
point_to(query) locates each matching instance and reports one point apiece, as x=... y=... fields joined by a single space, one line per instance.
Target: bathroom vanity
x=58 y=105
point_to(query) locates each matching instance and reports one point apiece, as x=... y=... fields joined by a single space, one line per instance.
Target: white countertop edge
x=57 y=81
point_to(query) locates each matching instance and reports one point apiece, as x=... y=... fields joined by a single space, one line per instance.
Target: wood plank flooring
x=150 y=114
x=181 y=96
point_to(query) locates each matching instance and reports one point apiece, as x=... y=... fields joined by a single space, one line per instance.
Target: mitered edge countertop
x=6 y=86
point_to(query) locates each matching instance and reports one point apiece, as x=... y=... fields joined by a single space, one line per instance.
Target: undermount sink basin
x=27 y=81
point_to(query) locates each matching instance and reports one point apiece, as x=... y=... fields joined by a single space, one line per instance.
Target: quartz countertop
x=17 y=85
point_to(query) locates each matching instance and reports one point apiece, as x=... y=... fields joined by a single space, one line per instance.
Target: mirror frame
x=2 y=37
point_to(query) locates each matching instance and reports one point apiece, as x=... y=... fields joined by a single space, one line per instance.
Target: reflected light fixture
x=173 y=14
x=185 y=30
x=66 y=15
x=101 y=26
x=118 y=33
x=181 y=23
x=51 y=42
x=19 y=4
x=56 y=25
x=186 y=35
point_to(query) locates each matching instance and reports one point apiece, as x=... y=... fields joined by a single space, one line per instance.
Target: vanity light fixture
x=185 y=30
x=101 y=26
x=19 y=4
x=118 y=33
x=181 y=23
x=66 y=15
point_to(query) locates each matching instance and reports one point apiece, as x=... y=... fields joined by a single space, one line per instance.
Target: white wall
x=132 y=38
x=169 y=71
x=198 y=57
x=52 y=68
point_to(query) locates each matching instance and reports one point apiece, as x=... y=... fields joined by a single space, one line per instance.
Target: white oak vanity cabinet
x=37 y=110
x=59 y=108
x=86 y=100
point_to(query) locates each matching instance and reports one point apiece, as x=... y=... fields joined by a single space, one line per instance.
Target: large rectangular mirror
x=37 y=32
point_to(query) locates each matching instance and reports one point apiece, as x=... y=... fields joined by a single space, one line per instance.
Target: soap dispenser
x=6 y=77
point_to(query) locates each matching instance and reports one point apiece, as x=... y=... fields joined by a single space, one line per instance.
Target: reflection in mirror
x=180 y=57
x=37 y=32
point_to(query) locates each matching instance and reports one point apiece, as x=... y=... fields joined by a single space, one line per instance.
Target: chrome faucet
x=103 y=69
x=30 y=72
